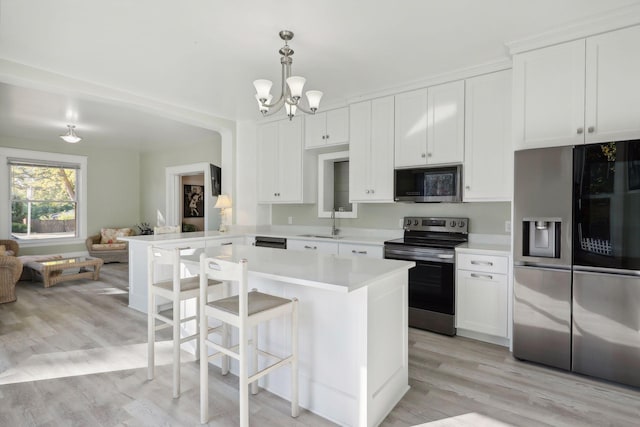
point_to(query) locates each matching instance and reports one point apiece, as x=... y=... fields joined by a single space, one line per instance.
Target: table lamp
x=223 y=203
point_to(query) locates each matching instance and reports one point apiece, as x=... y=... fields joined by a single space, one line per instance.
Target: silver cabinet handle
x=580 y=131
x=424 y=155
x=482 y=276
x=429 y=155
x=481 y=263
x=310 y=247
x=468 y=187
x=324 y=137
x=367 y=191
x=227 y=243
x=327 y=136
x=591 y=129
x=358 y=252
x=372 y=191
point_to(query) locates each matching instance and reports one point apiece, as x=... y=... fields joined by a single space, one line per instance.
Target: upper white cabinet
x=429 y=126
x=371 y=151
x=327 y=128
x=582 y=91
x=488 y=153
x=286 y=173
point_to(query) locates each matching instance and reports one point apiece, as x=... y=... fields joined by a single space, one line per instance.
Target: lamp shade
x=223 y=202
x=263 y=87
x=296 y=84
x=314 y=96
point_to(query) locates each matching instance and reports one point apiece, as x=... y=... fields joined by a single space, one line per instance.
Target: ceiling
x=202 y=55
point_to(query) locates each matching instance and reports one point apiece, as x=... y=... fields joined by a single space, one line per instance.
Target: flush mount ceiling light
x=71 y=136
x=291 y=92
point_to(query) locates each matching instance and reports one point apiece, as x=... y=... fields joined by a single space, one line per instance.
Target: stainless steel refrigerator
x=577 y=259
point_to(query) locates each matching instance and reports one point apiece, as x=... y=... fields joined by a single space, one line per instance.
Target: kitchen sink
x=320 y=236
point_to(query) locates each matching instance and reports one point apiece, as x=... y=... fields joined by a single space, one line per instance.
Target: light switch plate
x=507 y=226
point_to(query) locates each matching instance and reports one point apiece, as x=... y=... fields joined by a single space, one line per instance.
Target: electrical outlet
x=290 y=220
x=401 y=222
x=507 y=226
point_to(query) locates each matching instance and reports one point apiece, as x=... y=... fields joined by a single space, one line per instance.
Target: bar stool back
x=243 y=311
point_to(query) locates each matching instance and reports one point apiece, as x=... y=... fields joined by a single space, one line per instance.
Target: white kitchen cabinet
x=286 y=172
x=488 y=153
x=429 y=126
x=327 y=128
x=238 y=240
x=371 y=126
x=482 y=294
x=313 y=245
x=352 y=249
x=582 y=91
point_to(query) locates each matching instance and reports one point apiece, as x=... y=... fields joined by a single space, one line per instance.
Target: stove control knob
x=415 y=222
x=408 y=222
x=452 y=224
x=461 y=224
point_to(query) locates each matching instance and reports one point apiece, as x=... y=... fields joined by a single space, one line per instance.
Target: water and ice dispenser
x=541 y=237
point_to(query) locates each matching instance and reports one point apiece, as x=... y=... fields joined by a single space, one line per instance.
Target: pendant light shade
x=71 y=136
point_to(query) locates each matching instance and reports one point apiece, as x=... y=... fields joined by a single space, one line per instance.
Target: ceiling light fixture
x=71 y=136
x=291 y=87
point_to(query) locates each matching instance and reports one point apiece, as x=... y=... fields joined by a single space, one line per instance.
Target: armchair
x=10 y=270
x=107 y=246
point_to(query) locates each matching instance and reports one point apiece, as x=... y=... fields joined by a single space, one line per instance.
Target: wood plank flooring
x=75 y=355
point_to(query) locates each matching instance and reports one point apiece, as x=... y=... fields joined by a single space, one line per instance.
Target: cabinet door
x=337 y=131
x=411 y=128
x=445 y=123
x=548 y=98
x=315 y=130
x=359 y=149
x=289 y=168
x=381 y=150
x=350 y=249
x=488 y=154
x=482 y=302
x=267 y=162
x=612 y=109
x=313 y=245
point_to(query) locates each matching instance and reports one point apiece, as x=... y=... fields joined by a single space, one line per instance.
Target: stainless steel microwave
x=425 y=185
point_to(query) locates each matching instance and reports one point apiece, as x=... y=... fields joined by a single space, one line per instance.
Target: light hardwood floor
x=75 y=355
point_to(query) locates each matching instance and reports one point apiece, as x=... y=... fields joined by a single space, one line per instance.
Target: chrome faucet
x=334 y=230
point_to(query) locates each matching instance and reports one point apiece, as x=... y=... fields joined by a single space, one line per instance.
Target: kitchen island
x=353 y=341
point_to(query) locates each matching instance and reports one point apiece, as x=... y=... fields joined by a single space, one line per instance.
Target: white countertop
x=484 y=248
x=324 y=271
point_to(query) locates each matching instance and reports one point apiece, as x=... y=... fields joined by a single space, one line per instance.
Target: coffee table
x=53 y=271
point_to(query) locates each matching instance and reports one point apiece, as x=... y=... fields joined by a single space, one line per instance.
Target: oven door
x=431 y=287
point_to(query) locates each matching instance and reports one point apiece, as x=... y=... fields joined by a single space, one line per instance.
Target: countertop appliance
x=577 y=259
x=271 y=242
x=430 y=242
x=426 y=185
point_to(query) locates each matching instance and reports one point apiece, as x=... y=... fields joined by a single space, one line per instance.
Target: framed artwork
x=193 y=201
x=216 y=180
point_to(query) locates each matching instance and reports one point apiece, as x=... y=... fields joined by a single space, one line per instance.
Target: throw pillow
x=3 y=250
x=110 y=235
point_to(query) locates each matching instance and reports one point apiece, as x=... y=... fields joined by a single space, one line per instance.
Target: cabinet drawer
x=313 y=245
x=485 y=263
x=360 y=250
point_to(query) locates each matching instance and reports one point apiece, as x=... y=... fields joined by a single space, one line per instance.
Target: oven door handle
x=445 y=256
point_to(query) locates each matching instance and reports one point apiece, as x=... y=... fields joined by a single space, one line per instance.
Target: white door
x=267 y=162
x=488 y=153
x=548 y=98
x=613 y=86
x=359 y=150
x=445 y=125
x=290 y=160
x=411 y=128
x=337 y=126
x=381 y=150
x=315 y=130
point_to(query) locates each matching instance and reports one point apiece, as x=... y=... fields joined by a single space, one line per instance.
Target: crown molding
x=623 y=17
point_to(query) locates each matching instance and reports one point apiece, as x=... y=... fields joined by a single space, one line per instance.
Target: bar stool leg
x=176 y=347
x=295 y=409
x=151 y=336
x=254 y=357
x=204 y=364
x=197 y=328
x=243 y=377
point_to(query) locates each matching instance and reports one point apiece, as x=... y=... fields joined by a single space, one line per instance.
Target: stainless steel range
x=430 y=242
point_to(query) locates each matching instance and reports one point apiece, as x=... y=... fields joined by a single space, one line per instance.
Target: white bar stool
x=243 y=311
x=175 y=290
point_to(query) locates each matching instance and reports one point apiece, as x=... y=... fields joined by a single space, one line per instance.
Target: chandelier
x=291 y=91
x=71 y=135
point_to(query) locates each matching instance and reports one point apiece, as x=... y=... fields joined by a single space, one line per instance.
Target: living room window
x=46 y=194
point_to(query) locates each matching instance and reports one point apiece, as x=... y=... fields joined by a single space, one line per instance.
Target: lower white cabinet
x=482 y=304
x=351 y=249
x=313 y=245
